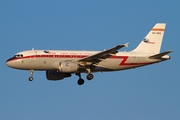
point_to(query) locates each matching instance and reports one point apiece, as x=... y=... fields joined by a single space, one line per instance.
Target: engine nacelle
x=53 y=75
x=66 y=67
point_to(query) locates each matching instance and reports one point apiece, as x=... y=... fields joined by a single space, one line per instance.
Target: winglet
x=126 y=44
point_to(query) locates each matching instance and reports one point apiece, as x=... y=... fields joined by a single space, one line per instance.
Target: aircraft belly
x=38 y=64
x=44 y=64
x=112 y=64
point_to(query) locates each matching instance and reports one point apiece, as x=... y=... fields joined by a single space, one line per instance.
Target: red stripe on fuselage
x=81 y=56
x=124 y=60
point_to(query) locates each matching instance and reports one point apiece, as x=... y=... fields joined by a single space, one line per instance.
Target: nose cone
x=9 y=62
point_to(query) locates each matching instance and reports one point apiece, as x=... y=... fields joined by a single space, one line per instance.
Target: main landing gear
x=31 y=72
x=89 y=76
x=81 y=81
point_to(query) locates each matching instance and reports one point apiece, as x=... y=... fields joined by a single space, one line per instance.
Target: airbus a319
x=60 y=64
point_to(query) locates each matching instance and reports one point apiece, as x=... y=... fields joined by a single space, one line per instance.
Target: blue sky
x=150 y=92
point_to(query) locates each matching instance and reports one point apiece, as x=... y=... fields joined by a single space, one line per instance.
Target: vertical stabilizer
x=152 y=42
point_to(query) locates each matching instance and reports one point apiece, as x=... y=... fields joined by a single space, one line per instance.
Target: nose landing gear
x=30 y=78
x=31 y=72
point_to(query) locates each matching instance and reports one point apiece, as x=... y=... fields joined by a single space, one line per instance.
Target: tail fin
x=152 y=42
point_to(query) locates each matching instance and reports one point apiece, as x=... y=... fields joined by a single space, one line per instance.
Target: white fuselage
x=43 y=60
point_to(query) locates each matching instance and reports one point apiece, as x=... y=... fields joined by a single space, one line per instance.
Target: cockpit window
x=18 y=56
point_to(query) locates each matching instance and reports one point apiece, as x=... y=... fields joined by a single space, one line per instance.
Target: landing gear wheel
x=31 y=72
x=80 y=81
x=30 y=78
x=89 y=76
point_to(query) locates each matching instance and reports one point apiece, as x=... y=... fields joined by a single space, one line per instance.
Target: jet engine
x=67 y=67
x=53 y=75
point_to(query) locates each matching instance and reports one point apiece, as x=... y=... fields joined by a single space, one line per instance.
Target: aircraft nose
x=9 y=62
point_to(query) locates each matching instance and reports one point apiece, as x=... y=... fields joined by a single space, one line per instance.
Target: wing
x=98 y=57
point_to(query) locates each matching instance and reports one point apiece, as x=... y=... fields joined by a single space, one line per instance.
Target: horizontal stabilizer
x=160 y=55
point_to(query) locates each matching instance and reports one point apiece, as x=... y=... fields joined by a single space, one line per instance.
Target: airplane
x=60 y=64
